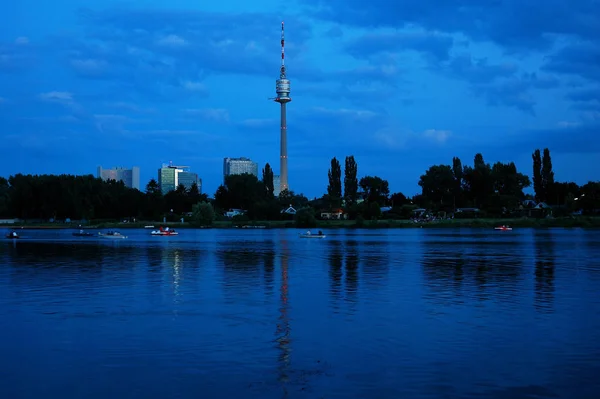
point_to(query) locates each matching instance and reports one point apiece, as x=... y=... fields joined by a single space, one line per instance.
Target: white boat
x=164 y=233
x=115 y=235
x=308 y=234
x=503 y=228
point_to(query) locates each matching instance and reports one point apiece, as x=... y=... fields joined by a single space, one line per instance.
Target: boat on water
x=112 y=235
x=164 y=232
x=308 y=234
x=13 y=235
x=82 y=233
x=503 y=228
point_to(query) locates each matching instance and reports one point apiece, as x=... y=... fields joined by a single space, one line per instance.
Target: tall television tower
x=282 y=87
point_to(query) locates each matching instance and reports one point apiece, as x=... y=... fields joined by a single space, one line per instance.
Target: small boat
x=308 y=234
x=13 y=235
x=112 y=235
x=164 y=232
x=503 y=228
x=149 y=226
x=82 y=233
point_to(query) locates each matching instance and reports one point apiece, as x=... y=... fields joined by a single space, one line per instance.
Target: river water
x=405 y=313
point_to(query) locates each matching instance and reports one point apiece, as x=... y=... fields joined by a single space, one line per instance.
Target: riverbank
x=583 y=222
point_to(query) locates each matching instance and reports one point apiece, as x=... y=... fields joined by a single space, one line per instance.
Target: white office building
x=238 y=166
x=130 y=177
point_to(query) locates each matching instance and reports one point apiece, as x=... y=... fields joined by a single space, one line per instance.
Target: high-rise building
x=238 y=166
x=170 y=176
x=276 y=185
x=130 y=177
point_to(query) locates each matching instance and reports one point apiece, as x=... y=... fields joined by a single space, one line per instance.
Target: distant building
x=130 y=177
x=170 y=176
x=276 y=185
x=238 y=166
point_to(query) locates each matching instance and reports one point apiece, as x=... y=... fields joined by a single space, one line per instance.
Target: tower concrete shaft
x=283 y=157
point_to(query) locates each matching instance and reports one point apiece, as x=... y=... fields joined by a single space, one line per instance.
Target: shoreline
x=578 y=222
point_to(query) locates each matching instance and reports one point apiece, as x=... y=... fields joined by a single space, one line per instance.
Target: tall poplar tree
x=267 y=178
x=334 y=189
x=350 y=180
x=538 y=186
x=547 y=174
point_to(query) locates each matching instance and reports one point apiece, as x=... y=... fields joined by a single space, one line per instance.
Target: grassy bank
x=585 y=222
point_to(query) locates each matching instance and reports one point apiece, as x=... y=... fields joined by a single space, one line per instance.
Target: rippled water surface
x=411 y=313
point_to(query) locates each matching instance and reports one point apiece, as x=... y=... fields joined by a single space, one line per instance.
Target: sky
x=400 y=85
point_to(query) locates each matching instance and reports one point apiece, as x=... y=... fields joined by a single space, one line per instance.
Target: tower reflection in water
x=283 y=324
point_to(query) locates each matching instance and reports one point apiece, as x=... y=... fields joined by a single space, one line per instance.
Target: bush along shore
x=451 y=195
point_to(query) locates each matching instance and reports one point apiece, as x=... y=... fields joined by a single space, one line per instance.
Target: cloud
x=511 y=24
x=16 y=56
x=57 y=96
x=579 y=59
x=437 y=136
x=433 y=44
x=208 y=114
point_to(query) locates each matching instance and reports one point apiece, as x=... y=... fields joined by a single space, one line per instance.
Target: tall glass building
x=170 y=176
x=238 y=166
x=130 y=177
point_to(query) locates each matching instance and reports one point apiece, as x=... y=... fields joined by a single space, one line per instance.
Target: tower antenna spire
x=282 y=72
x=282 y=88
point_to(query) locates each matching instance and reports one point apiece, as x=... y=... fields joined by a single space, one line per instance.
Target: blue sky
x=400 y=85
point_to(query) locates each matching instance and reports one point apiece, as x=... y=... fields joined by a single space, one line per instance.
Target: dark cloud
x=498 y=84
x=581 y=59
x=568 y=138
x=433 y=44
x=514 y=24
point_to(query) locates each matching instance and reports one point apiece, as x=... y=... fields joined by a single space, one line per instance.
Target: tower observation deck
x=282 y=88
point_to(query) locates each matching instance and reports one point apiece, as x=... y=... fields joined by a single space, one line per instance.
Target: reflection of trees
x=269 y=265
x=453 y=269
x=544 y=243
x=241 y=262
x=375 y=258
x=351 y=270
x=90 y=257
x=336 y=272
x=336 y=259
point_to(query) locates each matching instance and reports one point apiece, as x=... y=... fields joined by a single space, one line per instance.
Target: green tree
x=508 y=181
x=478 y=181
x=334 y=189
x=350 y=180
x=267 y=179
x=538 y=185
x=457 y=171
x=375 y=189
x=203 y=214
x=547 y=174
x=438 y=185
x=305 y=217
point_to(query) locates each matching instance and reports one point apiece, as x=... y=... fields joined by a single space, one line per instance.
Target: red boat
x=503 y=228
x=164 y=232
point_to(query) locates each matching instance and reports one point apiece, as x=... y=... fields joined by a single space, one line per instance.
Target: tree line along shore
x=453 y=195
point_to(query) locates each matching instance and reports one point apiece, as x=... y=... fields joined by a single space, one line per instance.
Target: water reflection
x=454 y=270
x=241 y=261
x=352 y=258
x=375 y=256
x=269 y=266
x=336 y=260
x=343 y=260
x=544 y=245
x=283 y=330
